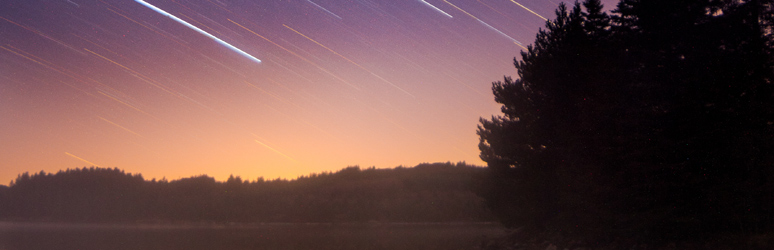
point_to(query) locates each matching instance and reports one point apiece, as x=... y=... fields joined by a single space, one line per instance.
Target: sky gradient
x=340 y=82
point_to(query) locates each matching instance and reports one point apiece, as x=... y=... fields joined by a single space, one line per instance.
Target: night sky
x=113 y=83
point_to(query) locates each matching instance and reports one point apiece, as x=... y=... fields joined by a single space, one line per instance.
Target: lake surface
x=24 y=236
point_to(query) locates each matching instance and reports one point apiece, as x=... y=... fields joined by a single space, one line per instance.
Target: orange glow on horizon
x=386 y=84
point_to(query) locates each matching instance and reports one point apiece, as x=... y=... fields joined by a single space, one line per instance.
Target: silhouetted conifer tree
x=655 y=123
x=552 y=117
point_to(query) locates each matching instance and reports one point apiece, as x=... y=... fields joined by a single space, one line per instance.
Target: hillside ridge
x=437 y=192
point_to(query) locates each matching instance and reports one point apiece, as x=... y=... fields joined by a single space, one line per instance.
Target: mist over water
x=266 y=236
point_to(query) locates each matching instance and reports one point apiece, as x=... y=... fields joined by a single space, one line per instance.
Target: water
x=273 y=236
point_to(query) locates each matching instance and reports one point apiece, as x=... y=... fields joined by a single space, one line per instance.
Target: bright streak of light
x=81 y=159
x=276 y=151
x=121 y=127
x=530 y=11
x=144 y=26
x=160 y=11
x=498 y=31
x=293 y=53
x=522 y=46
x=485 y=24
x=138 y=23
x=436 y=8
x=345 y=58
x=200 y=23
x=318 y=6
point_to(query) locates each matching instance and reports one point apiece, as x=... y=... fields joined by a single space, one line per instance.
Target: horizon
x=312 y=174
x=123 y=84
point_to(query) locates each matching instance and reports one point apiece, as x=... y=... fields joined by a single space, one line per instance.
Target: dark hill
x=441 y=192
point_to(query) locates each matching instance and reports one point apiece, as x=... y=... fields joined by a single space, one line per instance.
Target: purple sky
x=351 y=82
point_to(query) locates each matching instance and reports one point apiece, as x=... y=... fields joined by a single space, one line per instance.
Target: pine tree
x=657 y=122
x=706 y=72
x=548 y=120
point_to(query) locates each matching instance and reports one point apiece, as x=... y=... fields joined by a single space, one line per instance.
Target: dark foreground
x=16 y=236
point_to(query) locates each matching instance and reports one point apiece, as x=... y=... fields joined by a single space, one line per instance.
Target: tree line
x=654 y=123
x=441 y=192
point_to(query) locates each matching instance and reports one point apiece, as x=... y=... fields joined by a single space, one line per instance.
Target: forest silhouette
x=439 y=193
x=652 y=124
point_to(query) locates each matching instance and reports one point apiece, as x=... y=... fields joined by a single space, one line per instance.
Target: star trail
x=180 y=91
x=173 y=17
